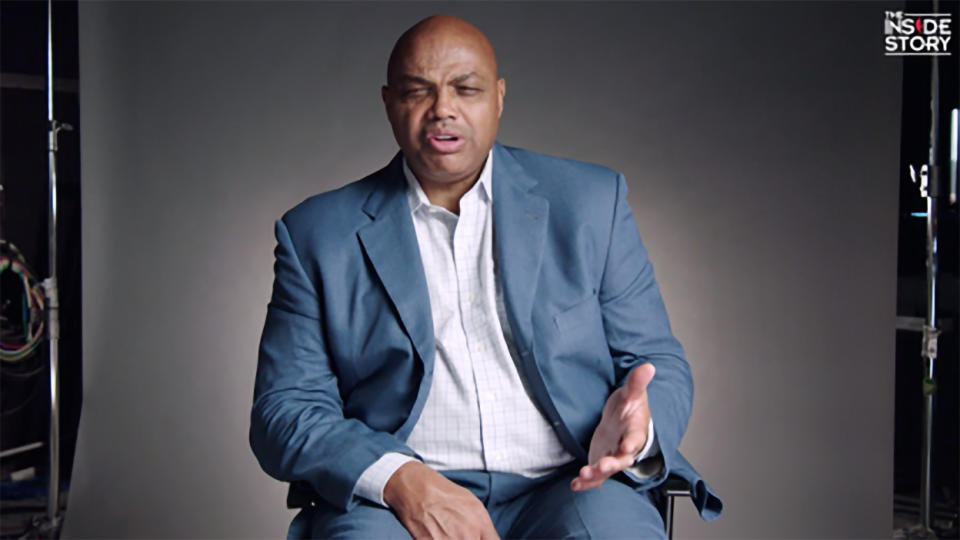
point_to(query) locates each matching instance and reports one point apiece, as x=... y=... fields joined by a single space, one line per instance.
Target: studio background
x=760 y=143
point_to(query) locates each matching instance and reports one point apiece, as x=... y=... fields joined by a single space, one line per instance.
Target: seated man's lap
x=365 y=520
x=548 y=510
x=553 y=510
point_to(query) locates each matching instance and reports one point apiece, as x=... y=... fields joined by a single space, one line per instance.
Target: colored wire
x=32 y=307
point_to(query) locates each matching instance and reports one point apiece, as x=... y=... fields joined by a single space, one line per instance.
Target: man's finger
x=579 y=484
x=595 y=480
x=589 y=478
x=611 y=465
x=592 y=476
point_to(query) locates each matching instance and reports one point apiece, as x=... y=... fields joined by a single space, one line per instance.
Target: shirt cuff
x=649 y=461
x=371 y=483
x=651 y=447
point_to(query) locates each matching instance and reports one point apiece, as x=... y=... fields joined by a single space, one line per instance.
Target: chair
x=673 y=487
x=301 y=495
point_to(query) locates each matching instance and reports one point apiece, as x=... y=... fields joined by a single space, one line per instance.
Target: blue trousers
x=519 y=507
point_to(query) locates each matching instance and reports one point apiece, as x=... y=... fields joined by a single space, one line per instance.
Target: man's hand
x=430 y=506
x=621 y=433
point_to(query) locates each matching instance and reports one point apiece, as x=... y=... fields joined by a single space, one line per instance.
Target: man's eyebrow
x=420 y=80
x=414 y=79
x=461 y=78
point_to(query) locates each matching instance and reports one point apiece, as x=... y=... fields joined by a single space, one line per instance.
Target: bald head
x=439 y=32
x=443 y=98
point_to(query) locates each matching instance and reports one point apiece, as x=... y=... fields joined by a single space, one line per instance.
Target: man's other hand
x=430 y=506
x=621 y=433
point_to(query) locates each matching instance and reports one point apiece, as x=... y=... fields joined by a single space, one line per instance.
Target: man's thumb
x=639 y=378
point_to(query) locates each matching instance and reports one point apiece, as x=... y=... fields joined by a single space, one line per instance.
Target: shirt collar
x=418 y=198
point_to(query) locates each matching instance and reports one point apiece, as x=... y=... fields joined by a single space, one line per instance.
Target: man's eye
x=467 y=90
x=414 y=92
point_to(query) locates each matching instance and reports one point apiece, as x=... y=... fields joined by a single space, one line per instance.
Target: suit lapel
x=390 y=242
x=520 y=227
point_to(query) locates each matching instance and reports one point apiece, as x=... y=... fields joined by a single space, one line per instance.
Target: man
x=469 y=342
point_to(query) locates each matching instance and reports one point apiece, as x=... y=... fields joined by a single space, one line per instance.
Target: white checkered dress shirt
x=478 y=415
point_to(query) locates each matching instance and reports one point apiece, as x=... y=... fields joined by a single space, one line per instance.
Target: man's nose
x=444 y=104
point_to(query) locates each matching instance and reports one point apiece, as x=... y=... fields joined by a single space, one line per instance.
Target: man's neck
x=448 y=195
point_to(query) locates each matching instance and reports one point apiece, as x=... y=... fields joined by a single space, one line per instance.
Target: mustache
x=443 y=129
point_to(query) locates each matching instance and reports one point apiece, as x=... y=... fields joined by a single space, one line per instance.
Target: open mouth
x=445 y=143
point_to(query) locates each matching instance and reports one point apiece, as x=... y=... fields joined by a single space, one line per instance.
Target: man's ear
x=501 y=91
x=386 y=97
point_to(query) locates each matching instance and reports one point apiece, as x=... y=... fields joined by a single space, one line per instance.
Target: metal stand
x=929 y=183
x=929 y=354
x=51 y=524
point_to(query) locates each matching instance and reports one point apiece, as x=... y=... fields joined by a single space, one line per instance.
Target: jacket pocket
x=584 y=313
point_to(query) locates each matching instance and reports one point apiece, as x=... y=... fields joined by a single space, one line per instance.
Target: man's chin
x=448 y=178
x=445 y=172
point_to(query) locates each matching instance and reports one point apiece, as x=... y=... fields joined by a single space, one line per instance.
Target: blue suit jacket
x=347 y=352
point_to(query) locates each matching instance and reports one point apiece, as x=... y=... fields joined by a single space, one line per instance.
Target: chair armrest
x=676 y=486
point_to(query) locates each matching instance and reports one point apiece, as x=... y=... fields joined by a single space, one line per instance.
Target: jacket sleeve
x=297 y=428
x=637 y=331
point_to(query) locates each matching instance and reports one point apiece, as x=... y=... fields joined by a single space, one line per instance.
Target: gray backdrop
x=760 y=142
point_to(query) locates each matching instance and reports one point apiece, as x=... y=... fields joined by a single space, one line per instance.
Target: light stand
x=50 y=526
x=930 y=176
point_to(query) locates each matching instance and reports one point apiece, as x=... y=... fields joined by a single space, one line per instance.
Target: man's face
x=444 y=103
